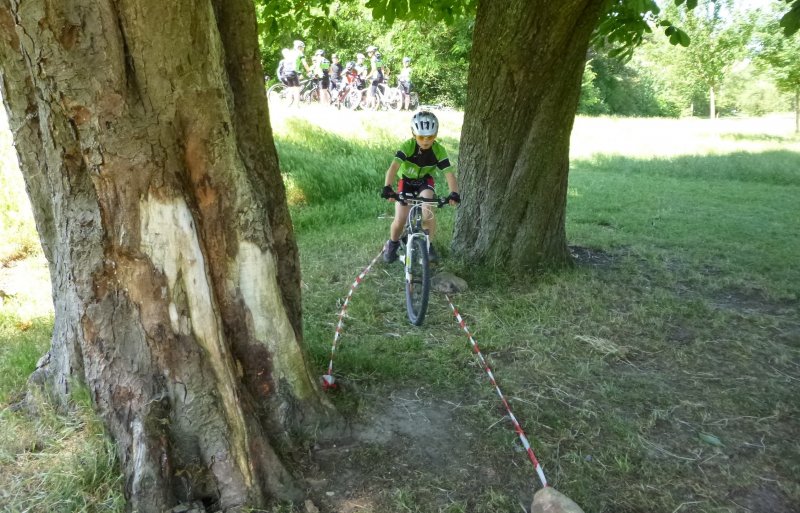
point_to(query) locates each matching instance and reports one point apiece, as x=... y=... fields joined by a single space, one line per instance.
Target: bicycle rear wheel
x=394 y=98
x=413 y=101
x=418 y=280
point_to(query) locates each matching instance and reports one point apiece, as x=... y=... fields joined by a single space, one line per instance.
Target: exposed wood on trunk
x=524 y=83
x=143 y=135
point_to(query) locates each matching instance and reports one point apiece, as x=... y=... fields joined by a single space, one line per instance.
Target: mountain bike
x=279 y=94
x=389 y=98
x=414 y=247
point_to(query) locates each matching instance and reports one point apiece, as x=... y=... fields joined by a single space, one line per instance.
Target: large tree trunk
x=712 y=103
x=143 y=134
x=522 y=95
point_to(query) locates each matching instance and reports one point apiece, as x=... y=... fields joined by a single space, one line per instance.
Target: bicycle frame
x=413 y=227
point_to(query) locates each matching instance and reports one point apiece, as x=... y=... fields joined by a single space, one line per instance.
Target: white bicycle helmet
x=371 y=48
x=424 y=123
x=299 y=44
x=406 y=59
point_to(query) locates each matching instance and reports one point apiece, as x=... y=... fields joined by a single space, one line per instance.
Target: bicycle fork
x=409 y=252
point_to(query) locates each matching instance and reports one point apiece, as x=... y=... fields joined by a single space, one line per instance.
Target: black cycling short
x=405 y=86
x=291 y=79
x=335 y=84
x=376 y=82
x=325 y=81
x=415 y=185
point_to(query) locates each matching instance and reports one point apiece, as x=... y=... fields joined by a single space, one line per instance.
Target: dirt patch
x=752 y=301
x=681 y=335
x=592 y=257
x=766 y=498
x=410 y=448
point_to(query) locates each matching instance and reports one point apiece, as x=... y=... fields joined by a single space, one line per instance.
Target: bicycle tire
x=354 y=99
x=413 y=102
x=418 y=280
x=278 y=94
x=394 y=98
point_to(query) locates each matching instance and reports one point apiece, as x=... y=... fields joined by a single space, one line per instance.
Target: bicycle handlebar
x=405 y=199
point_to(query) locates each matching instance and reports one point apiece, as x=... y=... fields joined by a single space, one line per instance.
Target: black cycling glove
x=387 y=192
x=454 y=196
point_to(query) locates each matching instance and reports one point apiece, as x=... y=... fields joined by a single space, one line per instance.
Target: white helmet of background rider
x=371 y=48
x=299 y=44
x=360 y=56
x=406 y=59
x=424 y=123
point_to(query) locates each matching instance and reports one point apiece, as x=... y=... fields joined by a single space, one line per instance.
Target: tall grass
x=19 y=238
x=660 y=375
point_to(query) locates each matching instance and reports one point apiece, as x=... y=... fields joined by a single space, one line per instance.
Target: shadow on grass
x=771 y=167
x=761 y=137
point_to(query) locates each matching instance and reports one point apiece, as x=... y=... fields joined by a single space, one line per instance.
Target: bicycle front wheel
x=279 y=95
x=418 y=280
x=354 y=98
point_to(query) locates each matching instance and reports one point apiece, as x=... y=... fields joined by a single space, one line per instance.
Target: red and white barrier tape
x=517 y=427
x=327 y=379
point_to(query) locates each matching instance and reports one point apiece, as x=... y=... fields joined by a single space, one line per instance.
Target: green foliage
x=282 y=21
x=720 y=42
x=626 y=24
x=590 y=100
x=422 y=10
x=625 y=89
x=439 y=49
x=752 y=94
x=775 y=54
x=790 y=22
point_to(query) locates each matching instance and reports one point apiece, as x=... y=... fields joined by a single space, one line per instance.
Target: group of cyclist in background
x=333 y=79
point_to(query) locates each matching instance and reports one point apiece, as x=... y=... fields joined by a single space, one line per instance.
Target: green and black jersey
x=416 y=162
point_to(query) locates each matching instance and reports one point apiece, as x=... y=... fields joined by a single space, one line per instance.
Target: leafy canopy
x=623 y=26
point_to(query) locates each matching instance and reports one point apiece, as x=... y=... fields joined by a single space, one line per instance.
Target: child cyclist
x=415 y=163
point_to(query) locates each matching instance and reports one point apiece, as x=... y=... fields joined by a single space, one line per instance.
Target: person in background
x=404 y=82
x=281 y=71
x=294 y=65
x=321 y=69
x=375 y=75
x=335 y=74
x=362 y=70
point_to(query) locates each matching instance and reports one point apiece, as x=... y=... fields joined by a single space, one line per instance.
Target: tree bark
x=522 y=95
x=143 y=135
x=712 y=103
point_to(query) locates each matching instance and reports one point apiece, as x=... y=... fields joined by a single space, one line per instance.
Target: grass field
x=660 y=375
